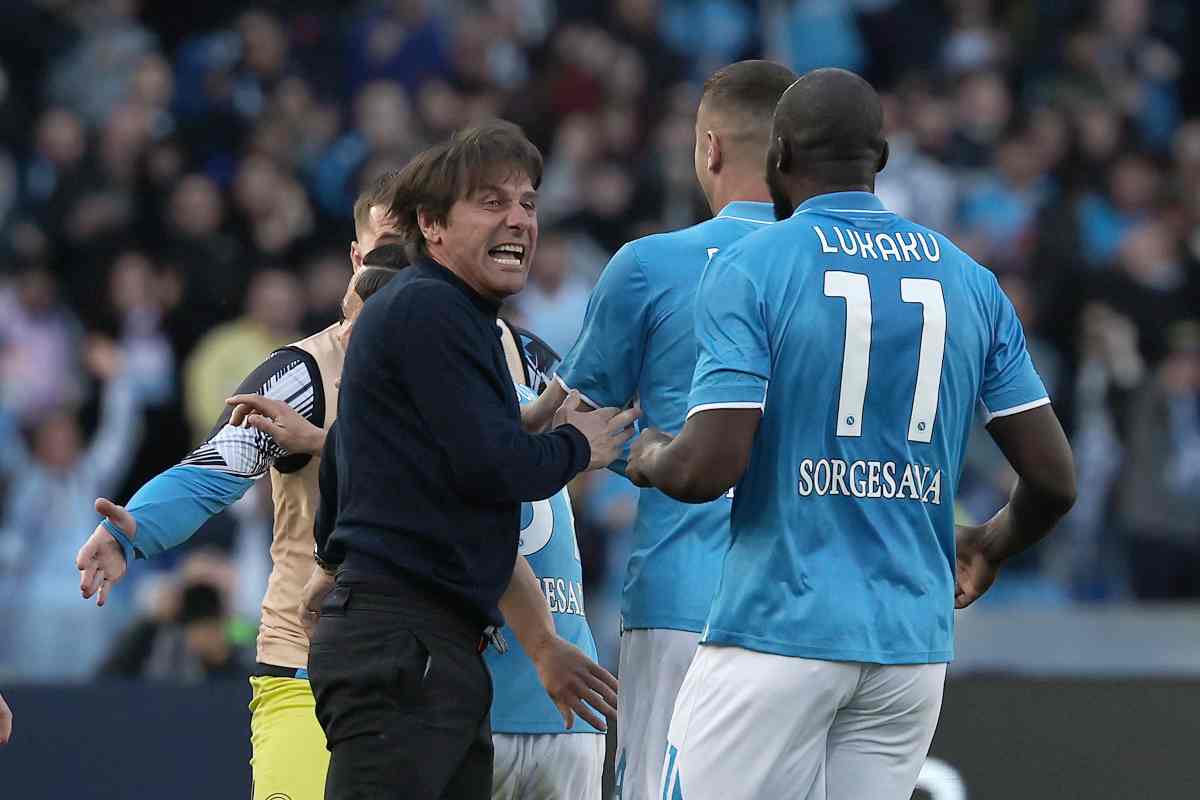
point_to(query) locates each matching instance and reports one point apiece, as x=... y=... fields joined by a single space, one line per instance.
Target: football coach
x=431 y=466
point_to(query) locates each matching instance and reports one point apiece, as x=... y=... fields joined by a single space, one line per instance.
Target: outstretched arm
x=173 y=505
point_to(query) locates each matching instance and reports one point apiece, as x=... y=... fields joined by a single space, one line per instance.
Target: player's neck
x=750 y=190
x=802 y=190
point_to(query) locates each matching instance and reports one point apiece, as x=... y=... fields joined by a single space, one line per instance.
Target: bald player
x=289 y=756
x=638 y=339
x=842 y=354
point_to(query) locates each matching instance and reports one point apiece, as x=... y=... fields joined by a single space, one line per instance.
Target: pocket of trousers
x=362 y=676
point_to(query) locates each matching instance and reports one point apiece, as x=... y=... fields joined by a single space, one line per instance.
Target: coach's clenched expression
x=489 y=236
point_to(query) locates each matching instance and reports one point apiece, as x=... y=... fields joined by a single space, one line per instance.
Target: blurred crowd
x=175 y=201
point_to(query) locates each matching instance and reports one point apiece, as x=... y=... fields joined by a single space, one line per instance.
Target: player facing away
x=637 y=339
x=842 y=354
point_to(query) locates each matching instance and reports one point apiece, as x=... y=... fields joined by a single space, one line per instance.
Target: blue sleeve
x=1010 y=382
x=605 y=363
x=173 y=505
x=733 y=363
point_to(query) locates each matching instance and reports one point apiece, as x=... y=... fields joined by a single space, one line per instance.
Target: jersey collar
x=842 y=201
x=748 y=209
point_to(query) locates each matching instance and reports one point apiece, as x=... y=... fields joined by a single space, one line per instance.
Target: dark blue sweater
x=430 y=460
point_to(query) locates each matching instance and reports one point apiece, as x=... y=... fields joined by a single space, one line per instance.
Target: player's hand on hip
x=575 y=683
x=319 y=585
x=637 y=468
x=277 y=419
x=5 y=721
x=606 y=429
x=101 y=560
x=974 y=572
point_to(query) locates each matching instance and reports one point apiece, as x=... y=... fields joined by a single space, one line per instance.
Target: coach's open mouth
x=510 y=255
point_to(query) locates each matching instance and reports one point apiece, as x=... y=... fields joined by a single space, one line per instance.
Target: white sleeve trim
x=711 y=406
x=568 y=390
x=1008 y=412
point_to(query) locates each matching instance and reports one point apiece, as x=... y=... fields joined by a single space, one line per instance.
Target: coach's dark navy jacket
x=430 y=459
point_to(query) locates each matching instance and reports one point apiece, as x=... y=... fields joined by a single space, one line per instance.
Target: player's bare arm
x=5 y=721
x=575 y=683
x=1034 y=443
x=280 y=421
x=704 y=461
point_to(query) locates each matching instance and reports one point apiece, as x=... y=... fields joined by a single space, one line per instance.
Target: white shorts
x=750 y=725
x=548 y=766
x=652 y=666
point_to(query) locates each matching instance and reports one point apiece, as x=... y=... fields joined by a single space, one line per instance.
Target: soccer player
x=637 y=338
x=539 y=756
x=842 y=352
x=289 y=755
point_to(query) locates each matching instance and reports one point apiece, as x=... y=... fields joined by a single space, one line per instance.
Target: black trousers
x=404 y=697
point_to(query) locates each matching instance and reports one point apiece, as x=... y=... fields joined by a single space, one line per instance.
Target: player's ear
x=783 y=155
x=883 y=157
x=714 y=151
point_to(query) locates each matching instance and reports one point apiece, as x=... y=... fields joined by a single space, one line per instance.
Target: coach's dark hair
x=445 y=173
x=378 y=192
x=389 y=256
x=746 y=92
x=371 y=279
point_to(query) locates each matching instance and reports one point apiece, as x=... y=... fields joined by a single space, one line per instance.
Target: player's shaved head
x=733 y=128
x=742 y=96
x=827 y=137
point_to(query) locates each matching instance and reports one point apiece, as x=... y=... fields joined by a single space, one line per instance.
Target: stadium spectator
x=233 y=350
x=1159 y=499
x=51 y=490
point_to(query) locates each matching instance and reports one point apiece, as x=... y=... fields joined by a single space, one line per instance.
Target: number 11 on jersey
x=855 y=289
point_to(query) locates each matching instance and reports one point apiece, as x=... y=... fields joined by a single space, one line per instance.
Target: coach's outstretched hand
x=575 y=683
x=101 y=561
x=974 y=572
x=606 y=429
x=5 y=721
x=281 y=422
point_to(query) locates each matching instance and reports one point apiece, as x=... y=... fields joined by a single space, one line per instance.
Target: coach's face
x=490 y=236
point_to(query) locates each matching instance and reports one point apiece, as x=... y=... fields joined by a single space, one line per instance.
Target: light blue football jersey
x=870 y=341
x=639 y=339
x=520 y=703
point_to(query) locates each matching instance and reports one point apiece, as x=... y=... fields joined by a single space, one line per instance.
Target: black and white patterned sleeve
x=290 y=375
